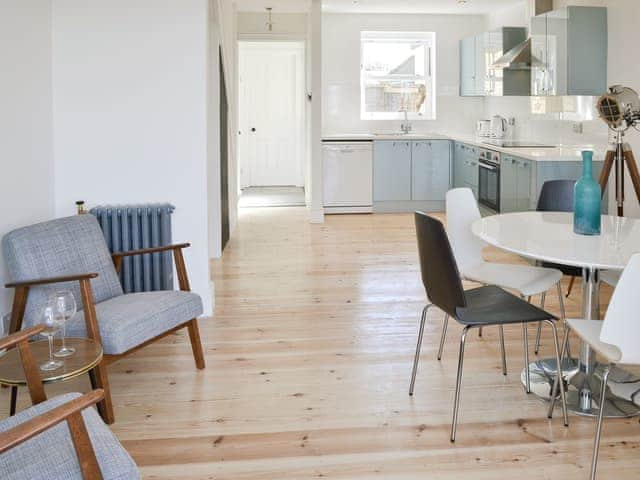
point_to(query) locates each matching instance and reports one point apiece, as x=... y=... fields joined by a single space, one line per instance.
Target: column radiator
x=130 y=227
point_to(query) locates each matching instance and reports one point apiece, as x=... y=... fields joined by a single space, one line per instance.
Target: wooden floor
x=308 y=363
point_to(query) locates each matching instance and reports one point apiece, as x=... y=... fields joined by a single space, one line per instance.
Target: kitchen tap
x=406 y=126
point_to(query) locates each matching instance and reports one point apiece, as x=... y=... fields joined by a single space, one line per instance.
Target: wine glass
x=52 y=323
x=64 y=306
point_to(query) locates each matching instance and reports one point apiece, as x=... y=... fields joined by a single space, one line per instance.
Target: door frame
x=301 y=40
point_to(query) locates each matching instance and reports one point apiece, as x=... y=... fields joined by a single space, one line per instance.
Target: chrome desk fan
x=620 y=109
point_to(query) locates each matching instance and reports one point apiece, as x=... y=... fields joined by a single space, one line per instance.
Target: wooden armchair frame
x=71 y=412
x=98 y=375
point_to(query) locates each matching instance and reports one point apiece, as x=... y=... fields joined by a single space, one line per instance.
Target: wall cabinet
x=477 y=55
x=569 y=50
x=409 y=175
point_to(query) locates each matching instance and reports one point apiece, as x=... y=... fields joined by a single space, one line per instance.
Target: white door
x=271 y=113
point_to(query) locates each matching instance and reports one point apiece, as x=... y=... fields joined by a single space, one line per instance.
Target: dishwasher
x=347 y=176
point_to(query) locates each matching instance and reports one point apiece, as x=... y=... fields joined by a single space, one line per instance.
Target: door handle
x=253 y=129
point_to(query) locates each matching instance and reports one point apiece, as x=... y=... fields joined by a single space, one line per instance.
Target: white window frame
x=429 y=38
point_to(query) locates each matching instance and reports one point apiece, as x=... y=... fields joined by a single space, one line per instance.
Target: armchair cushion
x=60 y=247
x=51 y=455
x=131 y=319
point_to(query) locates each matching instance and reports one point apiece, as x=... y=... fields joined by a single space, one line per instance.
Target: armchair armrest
x=45 y=281
x=22 y=336
x=39 y=424
x=144 y=251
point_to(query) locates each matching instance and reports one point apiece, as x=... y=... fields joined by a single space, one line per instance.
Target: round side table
x=88 y=354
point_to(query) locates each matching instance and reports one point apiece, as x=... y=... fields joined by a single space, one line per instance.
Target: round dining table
x=549 y=237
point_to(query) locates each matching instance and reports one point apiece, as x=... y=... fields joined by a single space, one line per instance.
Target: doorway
x=271 y=117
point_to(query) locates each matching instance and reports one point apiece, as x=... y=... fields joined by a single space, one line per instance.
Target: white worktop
x=560 y=153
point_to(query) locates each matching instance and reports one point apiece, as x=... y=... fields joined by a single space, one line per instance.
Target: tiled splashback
x=551 y=119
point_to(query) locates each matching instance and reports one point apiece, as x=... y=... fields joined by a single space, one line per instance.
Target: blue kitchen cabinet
x=515 y=184
x=431 y=169
x=468 y=67
x=391 y=170
x=465 y=167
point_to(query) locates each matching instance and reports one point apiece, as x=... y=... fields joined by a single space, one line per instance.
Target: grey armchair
x=71 y=253
x=61 y=438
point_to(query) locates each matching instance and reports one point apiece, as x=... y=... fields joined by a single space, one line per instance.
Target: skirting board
x=316 y=216
x=338 y=210
x=408 y=206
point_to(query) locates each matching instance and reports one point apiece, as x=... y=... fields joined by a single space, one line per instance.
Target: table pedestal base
x=621 y=387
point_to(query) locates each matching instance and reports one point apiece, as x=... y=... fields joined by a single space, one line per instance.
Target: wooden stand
x=612 y=159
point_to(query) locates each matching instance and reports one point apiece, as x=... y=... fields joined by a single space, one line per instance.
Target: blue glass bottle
x=586 y=203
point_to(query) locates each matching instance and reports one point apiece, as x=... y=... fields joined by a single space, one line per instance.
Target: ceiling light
x=462 y=2
x=269 y=19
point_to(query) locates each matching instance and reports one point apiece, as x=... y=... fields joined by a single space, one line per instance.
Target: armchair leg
x=99 y=379
x=14 y=401
x=196 y=344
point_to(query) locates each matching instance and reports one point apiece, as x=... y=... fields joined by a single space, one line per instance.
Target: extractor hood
x=518 y=58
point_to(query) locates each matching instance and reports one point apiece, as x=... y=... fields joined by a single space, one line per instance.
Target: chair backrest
x=556 y=196
x=60 y=247
x=462 y=210
x=440 y=275
x=621 y=326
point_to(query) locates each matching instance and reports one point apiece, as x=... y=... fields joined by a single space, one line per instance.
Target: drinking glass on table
x=64 y=306
x=52 y=323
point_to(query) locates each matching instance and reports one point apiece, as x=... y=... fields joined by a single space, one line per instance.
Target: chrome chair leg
x=525 y=341
x=444 y=334
x=559 y=376
x=539 y=332
x=556 y=382
x=502 y=350
x=596 y=443
x=456 y=401
x=417 y=357
x=563 y=316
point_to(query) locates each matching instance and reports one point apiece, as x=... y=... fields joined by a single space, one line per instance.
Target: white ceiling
x=379 y=6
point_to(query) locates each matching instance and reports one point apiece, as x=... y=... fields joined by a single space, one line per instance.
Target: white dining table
x=549 y=237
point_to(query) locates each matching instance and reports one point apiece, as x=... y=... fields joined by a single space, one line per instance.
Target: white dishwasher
x=348 y=176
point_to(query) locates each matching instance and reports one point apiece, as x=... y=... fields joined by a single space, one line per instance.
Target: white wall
x=341 y=71
x=130 y=97
x=26 y=148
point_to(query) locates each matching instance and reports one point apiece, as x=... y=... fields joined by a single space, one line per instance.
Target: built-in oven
x=489 y=179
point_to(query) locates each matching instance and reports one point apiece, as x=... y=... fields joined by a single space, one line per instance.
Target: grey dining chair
x=474 y=308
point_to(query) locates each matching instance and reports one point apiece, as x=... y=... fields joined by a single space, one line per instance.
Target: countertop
x=560 y=153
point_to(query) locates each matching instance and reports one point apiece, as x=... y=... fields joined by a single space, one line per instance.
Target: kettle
x=498 y=126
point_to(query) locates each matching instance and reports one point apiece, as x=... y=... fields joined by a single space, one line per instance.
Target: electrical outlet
x=577 y=127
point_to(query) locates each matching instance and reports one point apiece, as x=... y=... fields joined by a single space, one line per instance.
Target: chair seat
x=610 y=276
x=492 y=305
x=51 y=456
x=526 y=279
x=589 y=331
x=130 y=320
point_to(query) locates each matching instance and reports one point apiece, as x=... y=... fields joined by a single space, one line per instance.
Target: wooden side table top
x=87 y=355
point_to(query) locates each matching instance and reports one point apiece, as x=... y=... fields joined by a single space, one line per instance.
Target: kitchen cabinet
x=391 y=170
x=515 y=184
x=410 y=175
x=569 y=50
x=465 y=167
x=431 y=169
x=477 y=55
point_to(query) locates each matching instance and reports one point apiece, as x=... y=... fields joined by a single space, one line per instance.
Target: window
x=397 y=75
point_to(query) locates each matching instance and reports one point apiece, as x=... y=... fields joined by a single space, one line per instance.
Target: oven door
x=489 y=185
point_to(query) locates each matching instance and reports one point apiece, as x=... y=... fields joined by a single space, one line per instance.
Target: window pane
x=395 y=74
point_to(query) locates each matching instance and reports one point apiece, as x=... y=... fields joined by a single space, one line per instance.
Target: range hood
x=518 y=58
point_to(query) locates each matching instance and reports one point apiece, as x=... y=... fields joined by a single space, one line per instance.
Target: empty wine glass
x=64 y=306
x=52 y=323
